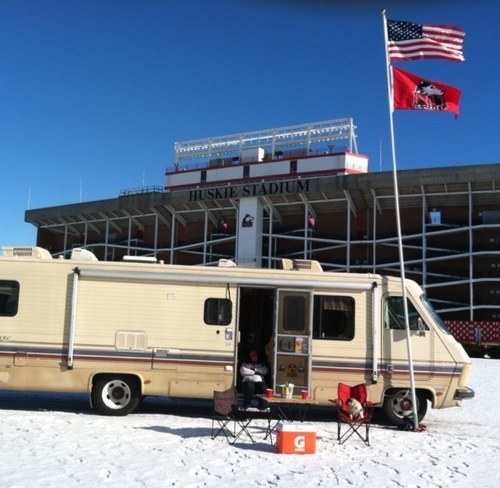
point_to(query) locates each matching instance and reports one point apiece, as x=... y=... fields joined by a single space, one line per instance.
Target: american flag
x=408 y=41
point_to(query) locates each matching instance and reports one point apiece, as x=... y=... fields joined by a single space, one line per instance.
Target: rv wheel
x=115 y=395
x=398 y=404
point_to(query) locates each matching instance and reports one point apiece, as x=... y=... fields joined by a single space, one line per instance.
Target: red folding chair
x=347 y=425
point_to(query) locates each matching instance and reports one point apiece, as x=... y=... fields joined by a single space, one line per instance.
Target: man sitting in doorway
x=253 y=373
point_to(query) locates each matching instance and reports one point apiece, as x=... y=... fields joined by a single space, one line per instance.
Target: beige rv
x=125 y=330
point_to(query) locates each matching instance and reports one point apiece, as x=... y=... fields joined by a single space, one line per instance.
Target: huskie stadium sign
x=249 y=190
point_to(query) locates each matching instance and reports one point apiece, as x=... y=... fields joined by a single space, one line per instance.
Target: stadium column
x=249 y=245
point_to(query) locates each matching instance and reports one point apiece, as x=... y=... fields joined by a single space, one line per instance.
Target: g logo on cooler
x=299 y=443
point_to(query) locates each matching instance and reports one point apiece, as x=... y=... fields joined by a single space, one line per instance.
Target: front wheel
x=118 y=395
x=398 y=405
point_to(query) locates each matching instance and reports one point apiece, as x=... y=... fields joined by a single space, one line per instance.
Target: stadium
x=304 y=192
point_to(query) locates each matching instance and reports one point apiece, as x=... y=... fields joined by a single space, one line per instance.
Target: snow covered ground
x=55 y=440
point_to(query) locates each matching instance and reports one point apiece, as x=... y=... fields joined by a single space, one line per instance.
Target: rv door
x=292 y=338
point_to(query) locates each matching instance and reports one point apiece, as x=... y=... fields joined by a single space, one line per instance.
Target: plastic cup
x=269 y=393
x=304 y=394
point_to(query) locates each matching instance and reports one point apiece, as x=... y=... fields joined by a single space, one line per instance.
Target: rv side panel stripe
x=101 y=355
x=399 y=368
x=190 y=357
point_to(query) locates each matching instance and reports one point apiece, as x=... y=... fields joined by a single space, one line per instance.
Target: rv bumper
x=464 y=394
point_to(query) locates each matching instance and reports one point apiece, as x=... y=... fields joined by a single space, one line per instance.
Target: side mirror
x=420 y=326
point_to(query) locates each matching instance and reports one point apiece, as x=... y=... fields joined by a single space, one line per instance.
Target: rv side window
x=218 y=311
x=394 y=315
x=333 y=318
x=9 y=298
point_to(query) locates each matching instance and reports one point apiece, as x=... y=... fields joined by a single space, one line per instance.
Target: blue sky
x=94 y=93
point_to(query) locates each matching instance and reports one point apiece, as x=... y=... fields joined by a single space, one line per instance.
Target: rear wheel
x=398 y=404
x=115 y=395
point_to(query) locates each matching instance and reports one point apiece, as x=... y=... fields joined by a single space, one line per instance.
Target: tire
x=115 y=395
x=398 y=403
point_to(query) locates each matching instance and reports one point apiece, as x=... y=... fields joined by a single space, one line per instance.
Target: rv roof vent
x=287 y=264
x=140 y=259
x=79 y=254
x=226 y=263
x=300 y=265
x=26 y=252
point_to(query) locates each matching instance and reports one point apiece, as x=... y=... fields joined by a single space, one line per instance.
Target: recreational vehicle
x=125 y=330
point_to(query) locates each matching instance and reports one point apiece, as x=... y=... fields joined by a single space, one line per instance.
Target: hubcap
x=402 y=404
x=116 y=394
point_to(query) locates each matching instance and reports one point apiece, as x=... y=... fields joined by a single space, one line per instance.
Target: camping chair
x=225 y=413
x=353 y=426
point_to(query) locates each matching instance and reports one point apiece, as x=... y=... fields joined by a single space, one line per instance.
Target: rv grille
x=301 y=264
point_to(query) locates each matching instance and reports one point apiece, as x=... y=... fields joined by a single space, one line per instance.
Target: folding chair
x=225 y=413
x=345 y=421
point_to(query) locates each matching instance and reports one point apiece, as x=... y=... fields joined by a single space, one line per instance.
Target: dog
x=355 y=409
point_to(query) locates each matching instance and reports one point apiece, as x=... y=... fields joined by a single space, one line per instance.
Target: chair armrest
x=339 y=404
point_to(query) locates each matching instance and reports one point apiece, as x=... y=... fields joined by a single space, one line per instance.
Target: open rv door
x=292 y=338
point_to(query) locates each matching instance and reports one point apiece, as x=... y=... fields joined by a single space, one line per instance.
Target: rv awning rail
x=236 y=280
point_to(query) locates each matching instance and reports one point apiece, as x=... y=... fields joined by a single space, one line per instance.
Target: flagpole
x=398 y=223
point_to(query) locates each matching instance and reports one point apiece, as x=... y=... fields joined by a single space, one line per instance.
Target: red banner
x=412 y=92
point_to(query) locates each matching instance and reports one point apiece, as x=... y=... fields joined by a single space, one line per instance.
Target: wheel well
x=427 y=394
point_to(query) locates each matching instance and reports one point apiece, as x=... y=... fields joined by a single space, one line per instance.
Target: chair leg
x=364 y=438
x=243 y=426
x=351 y=430
x=271 y=428
x=347 y=433
x=223 y=428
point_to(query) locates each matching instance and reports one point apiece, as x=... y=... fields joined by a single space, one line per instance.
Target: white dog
x=355 y=409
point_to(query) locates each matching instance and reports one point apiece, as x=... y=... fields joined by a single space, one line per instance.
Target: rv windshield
x=435 y=316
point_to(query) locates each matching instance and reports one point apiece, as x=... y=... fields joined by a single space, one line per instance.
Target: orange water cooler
x=295 y=438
